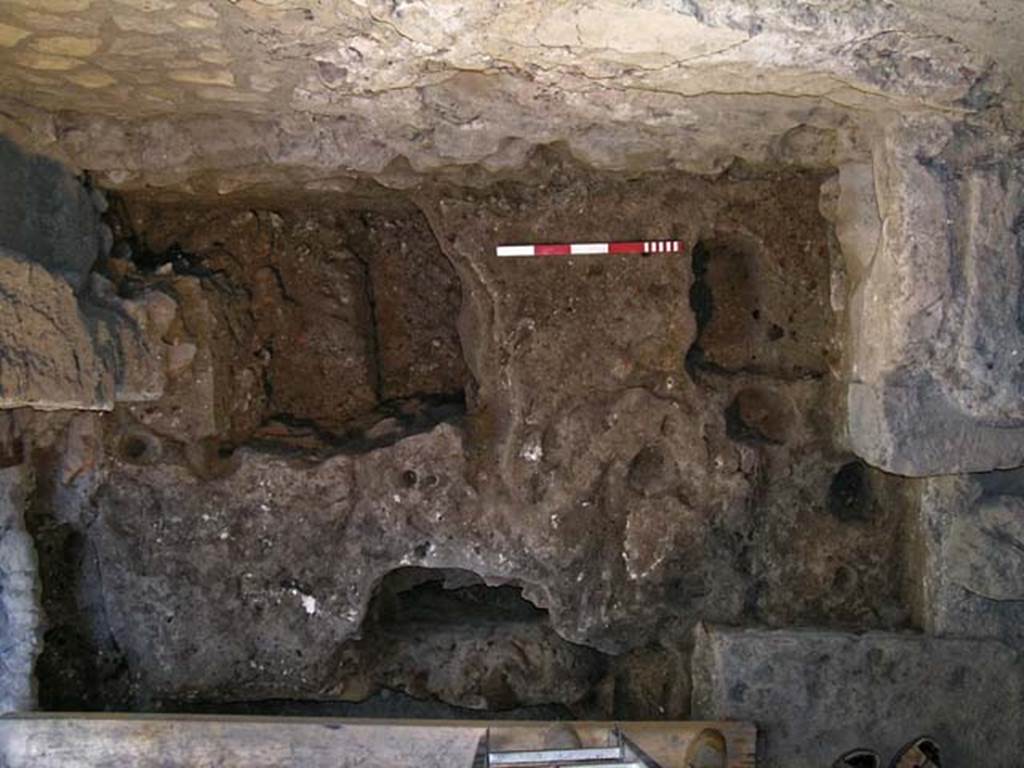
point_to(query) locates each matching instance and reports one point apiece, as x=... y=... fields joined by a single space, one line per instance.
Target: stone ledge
x=816 y=693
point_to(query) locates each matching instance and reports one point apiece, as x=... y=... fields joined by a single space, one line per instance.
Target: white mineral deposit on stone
x=309 y=604
x=532 y=450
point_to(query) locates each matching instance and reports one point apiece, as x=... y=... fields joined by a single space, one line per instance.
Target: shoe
x=922 y=752
x=858 y=758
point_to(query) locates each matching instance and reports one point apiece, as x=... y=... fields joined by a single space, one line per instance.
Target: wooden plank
x=43 y=740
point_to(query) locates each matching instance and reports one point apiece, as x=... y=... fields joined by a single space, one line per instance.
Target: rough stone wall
x=642 y=445
x=633 y=464
x=68 y=342
x=65 y=344
x=310 y=316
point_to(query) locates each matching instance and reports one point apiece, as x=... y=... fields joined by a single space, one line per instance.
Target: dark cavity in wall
x=81 y=667
x=701 y=302
x=444 y=635
x=849 y=493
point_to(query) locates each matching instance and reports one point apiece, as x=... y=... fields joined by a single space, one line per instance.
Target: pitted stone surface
x=644 y=443
x=596 y=463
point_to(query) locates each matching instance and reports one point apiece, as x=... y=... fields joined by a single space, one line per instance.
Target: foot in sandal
x=922 y=752
x=858 y=758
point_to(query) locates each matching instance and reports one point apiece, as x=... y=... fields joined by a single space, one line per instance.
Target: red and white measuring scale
x=589 y=249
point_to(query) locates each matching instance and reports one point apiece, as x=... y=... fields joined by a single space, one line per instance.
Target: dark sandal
x=922 y=752
x=858 y=758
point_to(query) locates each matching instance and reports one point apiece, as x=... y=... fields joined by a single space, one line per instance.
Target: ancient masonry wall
x=931 y=236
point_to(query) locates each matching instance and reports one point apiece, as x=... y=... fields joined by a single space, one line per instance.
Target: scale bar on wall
x=591 y=249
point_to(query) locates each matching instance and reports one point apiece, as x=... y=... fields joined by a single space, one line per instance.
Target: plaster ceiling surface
x=212 y=94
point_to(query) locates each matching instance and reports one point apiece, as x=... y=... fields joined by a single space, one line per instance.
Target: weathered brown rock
x=311 y=318
x=50 y=356
x=64 y=354
x=416 y=298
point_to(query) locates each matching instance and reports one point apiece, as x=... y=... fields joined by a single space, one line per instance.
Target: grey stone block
x=972 y=556
x=934 y=340
x=908 y=426
x=49 y=358
x=47 y=214
x=814 y=693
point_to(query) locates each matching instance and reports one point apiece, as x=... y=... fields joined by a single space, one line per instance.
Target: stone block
x=814 y=694
x=47 y=214
x=971 y=560
x=20 y=620
x=934 y=339
x=905 y=424
x=190 y=409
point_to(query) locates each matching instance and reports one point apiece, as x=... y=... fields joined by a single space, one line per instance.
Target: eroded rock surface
x=309 y=317
x=20 y=622
x=67 y=341
x=338 y=449
x=645 y=442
